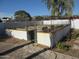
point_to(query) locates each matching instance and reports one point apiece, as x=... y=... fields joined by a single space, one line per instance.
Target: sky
x=33 y=7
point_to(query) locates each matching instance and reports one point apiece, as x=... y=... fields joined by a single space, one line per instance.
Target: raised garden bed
x=45 y=35
x=40 y=27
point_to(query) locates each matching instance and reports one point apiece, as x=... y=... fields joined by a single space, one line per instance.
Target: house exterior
x=5 y=19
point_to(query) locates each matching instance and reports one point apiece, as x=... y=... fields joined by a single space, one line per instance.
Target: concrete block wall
x=43 y=38
x=51 y=40
x=56 y=22
x=75 y=23
x=17 y=34
x=60 y=34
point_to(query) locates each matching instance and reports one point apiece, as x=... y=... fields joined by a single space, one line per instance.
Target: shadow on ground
x=37 y=53
x=4 y=38
x=14 y=48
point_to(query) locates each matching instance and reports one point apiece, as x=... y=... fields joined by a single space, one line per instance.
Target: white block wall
x=17 y=34
x=43 y=38
x=56 y=22
x=50 y=41
x=75 y=23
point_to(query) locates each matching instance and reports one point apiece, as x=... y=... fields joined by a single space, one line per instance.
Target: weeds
x=60 y=45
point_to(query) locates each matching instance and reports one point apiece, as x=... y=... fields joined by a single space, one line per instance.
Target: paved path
x=24 y=51
x=27 y=50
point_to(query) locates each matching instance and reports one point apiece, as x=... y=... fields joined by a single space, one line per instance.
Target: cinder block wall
x=50 y=40
x=59 y=35
x=17 y=34
x=75 y=23
x=44 y=39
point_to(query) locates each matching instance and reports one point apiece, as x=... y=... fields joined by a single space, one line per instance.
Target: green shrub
x=45 y=29
x=59 y=26
x=75 y=35
x=60 y=45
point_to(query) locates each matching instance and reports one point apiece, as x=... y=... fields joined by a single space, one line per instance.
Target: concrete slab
x=12 y=45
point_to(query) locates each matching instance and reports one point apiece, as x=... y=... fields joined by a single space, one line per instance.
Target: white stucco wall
x=17 y=34
x=75 y=23
x=43 y=38
x=56 y=22
x=51 y=40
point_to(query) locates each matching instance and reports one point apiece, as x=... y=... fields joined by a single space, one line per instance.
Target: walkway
x=21 y=49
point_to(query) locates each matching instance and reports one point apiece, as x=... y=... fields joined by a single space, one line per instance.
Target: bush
x=77 y=35
x=59 y=26
x=74 y=35
x=45 y=29
x=39 y=18
x=60 y=45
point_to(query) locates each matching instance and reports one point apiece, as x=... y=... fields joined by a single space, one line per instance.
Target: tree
x=39 y=18
x=22 y=15
x=59 y=7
